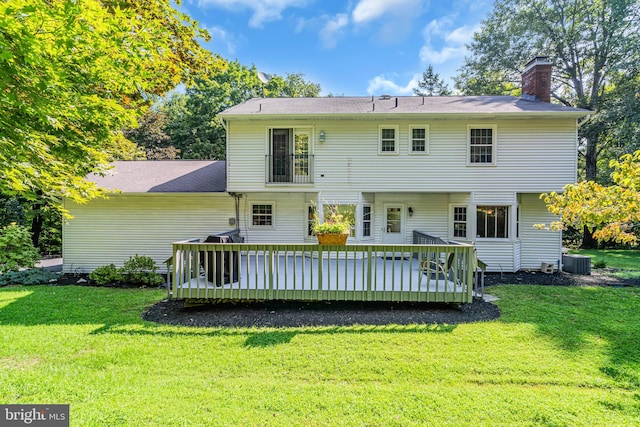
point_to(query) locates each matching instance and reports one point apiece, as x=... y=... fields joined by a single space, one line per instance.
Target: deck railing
x=311 y=272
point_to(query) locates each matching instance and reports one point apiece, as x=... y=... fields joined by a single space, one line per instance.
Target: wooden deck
x=239 y=271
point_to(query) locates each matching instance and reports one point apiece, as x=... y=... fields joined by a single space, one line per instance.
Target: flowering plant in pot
x=335 y=228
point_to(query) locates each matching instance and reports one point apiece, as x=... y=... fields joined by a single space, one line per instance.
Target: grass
x=558 y=356
x=625 y=260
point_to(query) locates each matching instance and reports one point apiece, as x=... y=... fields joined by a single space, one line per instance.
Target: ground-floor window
x=460 y=222
x=262 y=215
x=492 y=222
x=366 y=221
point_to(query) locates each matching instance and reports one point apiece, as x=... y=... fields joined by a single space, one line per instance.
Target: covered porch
x=311 y=272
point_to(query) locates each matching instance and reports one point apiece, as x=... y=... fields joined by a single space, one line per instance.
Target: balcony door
x=290 y=156
x=281 y=153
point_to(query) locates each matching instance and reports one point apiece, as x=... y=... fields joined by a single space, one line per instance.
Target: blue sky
x=355 y=47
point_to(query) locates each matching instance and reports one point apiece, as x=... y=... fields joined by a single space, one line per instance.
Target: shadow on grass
x=117 y=311
x=575 y=317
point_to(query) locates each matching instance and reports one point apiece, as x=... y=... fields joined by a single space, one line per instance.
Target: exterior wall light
x=322 y=136
x=410 y=211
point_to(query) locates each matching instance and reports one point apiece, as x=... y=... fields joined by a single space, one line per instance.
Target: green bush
x=16 y=248
x=141 y=270
x=600 y=264
x=32 y=276
x=106 y=275
x=138 y=270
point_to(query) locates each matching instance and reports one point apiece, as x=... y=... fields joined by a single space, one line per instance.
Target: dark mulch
x=292 y=314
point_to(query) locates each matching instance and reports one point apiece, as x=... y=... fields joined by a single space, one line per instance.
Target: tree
x=588 y=41
x=73 y=74
x=150 y=136
x=611 y=213
x=194 y=127
x=431 y=84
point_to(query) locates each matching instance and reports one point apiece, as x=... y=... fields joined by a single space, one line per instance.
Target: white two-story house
x=468 y=169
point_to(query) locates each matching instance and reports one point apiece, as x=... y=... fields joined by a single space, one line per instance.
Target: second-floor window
x=388 y=140
x=482 y=145
x=290 y=159
x=419 y=142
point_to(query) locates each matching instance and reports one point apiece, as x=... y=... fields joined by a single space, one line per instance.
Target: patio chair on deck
x=437 y=270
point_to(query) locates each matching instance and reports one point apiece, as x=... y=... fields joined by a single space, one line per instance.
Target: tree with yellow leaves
x=611 y=212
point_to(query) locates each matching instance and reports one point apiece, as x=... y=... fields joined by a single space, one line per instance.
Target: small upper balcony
x=289 y=169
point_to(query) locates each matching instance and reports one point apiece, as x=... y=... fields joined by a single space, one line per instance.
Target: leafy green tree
x=150 y=136
x=73 y=74
x=194 y=127
x=588 y=41
x=431 y=84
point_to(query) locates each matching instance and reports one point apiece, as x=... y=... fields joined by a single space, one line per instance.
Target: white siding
x=532 y=156
x=537 y=245
x=289 y=216
x=498 y=255
x=110 y=231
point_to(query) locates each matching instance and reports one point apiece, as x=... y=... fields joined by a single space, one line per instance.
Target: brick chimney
x=536 y=80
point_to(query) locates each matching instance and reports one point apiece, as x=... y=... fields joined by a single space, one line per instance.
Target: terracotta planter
x=332 y=239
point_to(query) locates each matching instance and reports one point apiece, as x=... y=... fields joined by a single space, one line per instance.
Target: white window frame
x=452 y=214
x=273 y=215
x=396 y=131
x=508 y=221
x=293 y=131
x=426 y=139
x=494 y=144
x=309 y=214
x=369 y=221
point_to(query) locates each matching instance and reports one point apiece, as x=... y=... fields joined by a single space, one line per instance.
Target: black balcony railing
x=294 y=168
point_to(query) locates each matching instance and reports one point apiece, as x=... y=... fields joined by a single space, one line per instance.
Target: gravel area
x=293 y=314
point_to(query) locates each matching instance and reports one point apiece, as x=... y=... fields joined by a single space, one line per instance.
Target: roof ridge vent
x=385 y=97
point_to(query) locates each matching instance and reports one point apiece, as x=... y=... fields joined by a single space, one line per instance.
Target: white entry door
x=393 y=232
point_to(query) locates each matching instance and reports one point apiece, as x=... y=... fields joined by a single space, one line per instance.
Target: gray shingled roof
x=165 y=176
x=395 y=105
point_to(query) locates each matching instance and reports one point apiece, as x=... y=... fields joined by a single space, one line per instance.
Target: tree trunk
x=588 y=242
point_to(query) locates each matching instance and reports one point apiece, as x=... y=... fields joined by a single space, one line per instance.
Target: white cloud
x=462 y=35
x=263 y=10
x=219 y=36
x=442 y=43
x=333 y=29
x=380 y=84
x=368 y=10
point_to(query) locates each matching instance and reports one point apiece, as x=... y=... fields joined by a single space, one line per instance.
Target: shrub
x=600 y=264
x=32 y=276
x=106 y=275
x=141 y=270
x=16 y=248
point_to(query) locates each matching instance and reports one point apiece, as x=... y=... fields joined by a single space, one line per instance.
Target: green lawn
x=558 y=356
x=627 y=261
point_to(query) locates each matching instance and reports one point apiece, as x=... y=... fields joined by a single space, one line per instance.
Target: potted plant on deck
x=335 y=228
